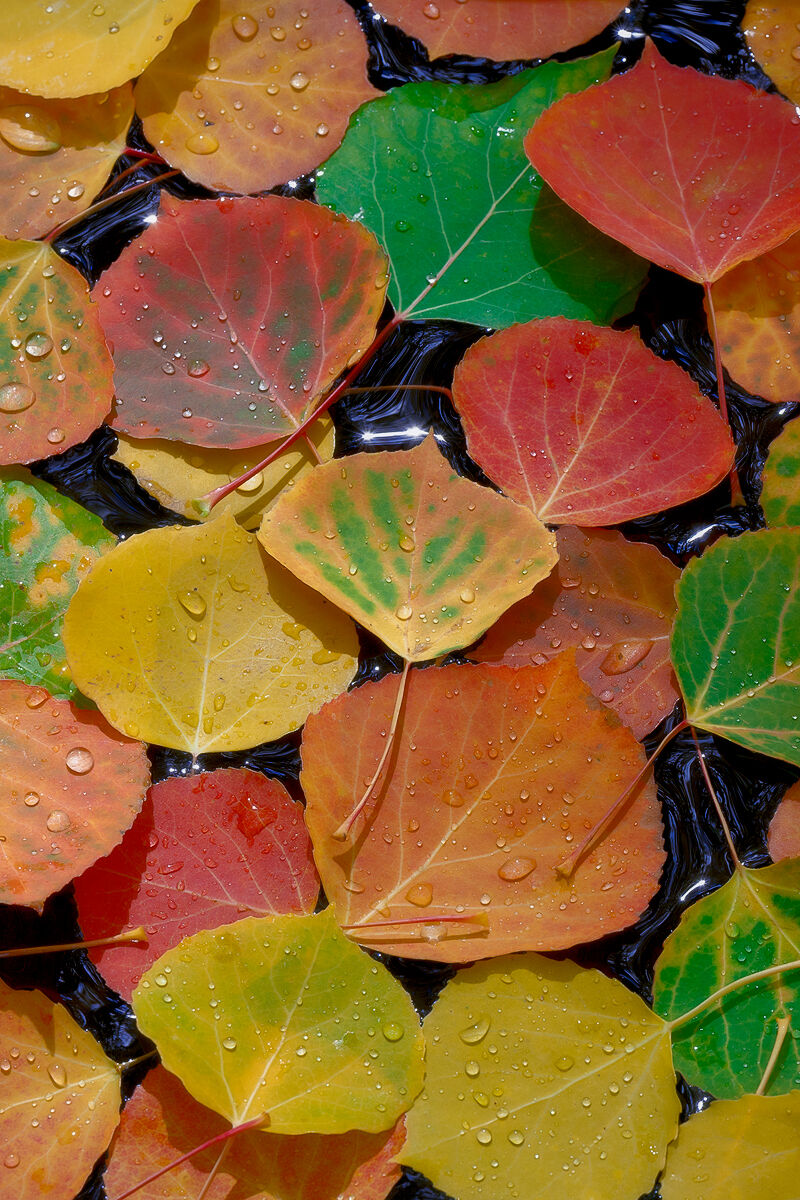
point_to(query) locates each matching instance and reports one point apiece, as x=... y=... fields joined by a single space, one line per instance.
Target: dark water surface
x=669 y=315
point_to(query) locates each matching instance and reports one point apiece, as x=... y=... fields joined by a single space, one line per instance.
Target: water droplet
x=229 y=1043
x=299 y=81
x=38 y=345
x=16 y=397
x=36 y=697
x=193 y=602
x=431 y=11
x=453 y=799
x=201 y=143
x=196 y=368
x=475 y=1033
x=277 y=33
x=244 y=26
x=5 y=1066
x=55 y=436
x=251 y=485
x=516 y=1137
x=29 y=129
x=160 y=981
x=406 y=543
x=565 y=1063
x=467 y=595
x=75 y=191
x=57 y=1074
x=624 y=656
x=420 y=894
x=31 y=799
x=472 y=1068
x=11 y=1160
x=80 y=760
x=392 y=1032
x=516 y=868
x=404 y=613
x=322 y=130
x=58 y=821
x=484 y=1137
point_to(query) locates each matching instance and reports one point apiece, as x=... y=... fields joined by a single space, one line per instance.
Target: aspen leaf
x=770 y=29
x=749 y=924
x=55 y=155
x=784 y=829
x=60 y=1099
x=204 y=851
x=55 y=368
x=422 y=558
x=500 y=29
x=205 y=644
x=293 y=74
x=49 y=543
x=161 y=1122
x=175 y=473
x=76 y=46
x=348 y=1057
x=780 y=494
x=541 y=1080
x=586 y=425
x=708 y=174
x=613 y=601
x=736 y=641
x=495 y=777
x=438 y=173
x=736 y=1149
x=230 y=318
x=70 y=788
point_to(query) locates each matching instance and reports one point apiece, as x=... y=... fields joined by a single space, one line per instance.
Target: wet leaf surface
x=784 y=829
x=780 y=494
x=772 y=34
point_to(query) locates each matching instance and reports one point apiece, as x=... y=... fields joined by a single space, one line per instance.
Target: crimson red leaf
x=695 y=172
x=206 y=850
x=585 y=425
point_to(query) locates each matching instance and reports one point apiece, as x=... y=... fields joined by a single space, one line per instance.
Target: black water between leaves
x=669 y=316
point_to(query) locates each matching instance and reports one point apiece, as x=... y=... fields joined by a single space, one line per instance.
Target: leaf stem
x=480 y=918
x=129 y=935
x=767 y=973
x=402 y=387
x=720 y=814
x=134 y=1062
x=567 y=865
x=343 y=832
x=176 y=1162
x=780 y=1038
x=99 y=205
x=143 y=160
x=736 y=490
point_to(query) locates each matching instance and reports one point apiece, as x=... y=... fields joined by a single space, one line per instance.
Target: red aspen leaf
x=55 y=368
x=612 y=601
x=500 y=29
x=495 y=775
x=70 y=787
x=294 y=75
x=59 y=1103
x=162 y=1121
x=783 y=840
x=230 y=318
x=205 y=850
x=55 y=155
x=757 y=307
x=708 y=174
x=421 y=557
x=585 y=425
x=771 y=32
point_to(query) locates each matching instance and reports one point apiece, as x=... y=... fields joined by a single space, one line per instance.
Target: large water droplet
x=299 y=81
x=201 y=143
x=404 y=613
x=244 y=26
x=16 y=397
x=475 y=1033
x=624 y=656
x=392 y=1032
x=229 y=1043
x=29 y=129
x=38 y=345
x=516 y=868
x=193 y=603
x=58 y=821
x=420 y=894
x=80 y=760
x=196 y=368
x=57 y=1074
x=31 y=799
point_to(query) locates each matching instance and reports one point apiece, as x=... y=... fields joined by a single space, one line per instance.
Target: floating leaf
x=586 y=425
x=70 y=788
x=438 y=173
x=55 y=155
x=175 y=474
x=736 y=1149
x=77 y=47
x=423 y=558
x=205 y=850
x=55 y=369
x=204 y=644
x=60 y=1099
x=253 y=1049
x=230 y=318
x=161 y=1122
x=770 y=30
x=500 y=29
x=752 y=922
x=784 y=830
x=49 y=543
x=758 y=322
x=541 y=1080
x=496 y=776
x=736 y=641
x=613 y=601
x=708 y=174
x=295 y=75
x=780 y=495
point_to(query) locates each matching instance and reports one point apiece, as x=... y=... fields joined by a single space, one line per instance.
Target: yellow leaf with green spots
x=421 y=557
x=284 y=1018
x=780 y=494
x=48 y=544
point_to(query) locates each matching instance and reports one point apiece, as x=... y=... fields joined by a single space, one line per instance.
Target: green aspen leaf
x=421 y=557
x=438 y=173
x=780 y=495
x=749 y=924
x=543 y=1080
x=736 y=1149
x=736 y=641
x=48 y=544
x=284 y=1017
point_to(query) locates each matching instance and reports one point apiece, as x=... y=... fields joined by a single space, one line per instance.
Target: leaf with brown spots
x=230 y=318
x=613 y=601
x=242 y=101
x=494 y=777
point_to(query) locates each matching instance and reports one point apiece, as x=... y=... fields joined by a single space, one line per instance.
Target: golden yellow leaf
x=76 y=47
x=175 y=473
x=195 y=639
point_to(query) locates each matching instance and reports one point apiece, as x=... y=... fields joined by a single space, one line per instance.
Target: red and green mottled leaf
x=205 y=850
x=585 y=425
x=780 y=493
x=230 y=318
x=423 y=558
x=708 y=174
